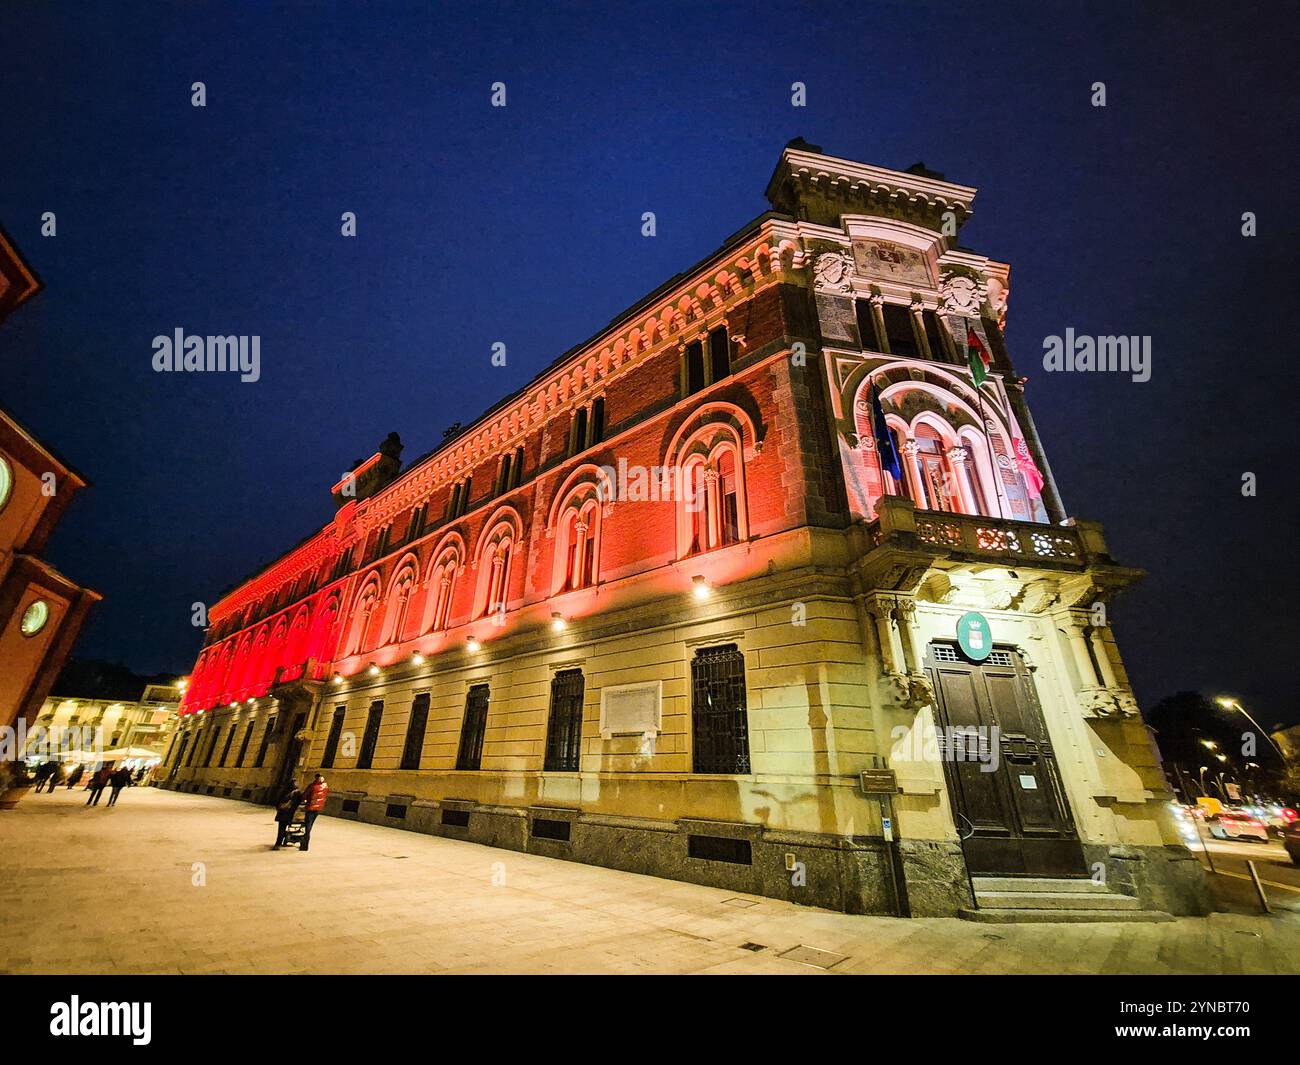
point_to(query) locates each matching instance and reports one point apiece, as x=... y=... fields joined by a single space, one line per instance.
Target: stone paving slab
x=168 y=883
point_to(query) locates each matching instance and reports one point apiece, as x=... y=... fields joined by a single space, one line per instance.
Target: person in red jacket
x=313 y=801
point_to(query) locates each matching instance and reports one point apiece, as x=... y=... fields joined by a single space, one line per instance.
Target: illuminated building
x=119 y=717
x=655 y=612
x=41 y=610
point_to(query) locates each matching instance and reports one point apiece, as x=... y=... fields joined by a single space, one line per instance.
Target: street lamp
x=1228 y=703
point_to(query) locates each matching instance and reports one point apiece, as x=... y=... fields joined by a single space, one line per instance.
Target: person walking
x=97 y=784
x=74 y=778
x=284 y=811
x=117 y=781
x=314 y=800
x=47 y=775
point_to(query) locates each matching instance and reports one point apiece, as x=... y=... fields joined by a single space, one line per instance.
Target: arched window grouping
x=947 y=462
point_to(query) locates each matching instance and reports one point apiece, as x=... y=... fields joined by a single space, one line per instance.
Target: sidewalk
x=171 y=883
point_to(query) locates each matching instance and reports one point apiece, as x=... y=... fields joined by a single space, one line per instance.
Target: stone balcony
x=900 y=527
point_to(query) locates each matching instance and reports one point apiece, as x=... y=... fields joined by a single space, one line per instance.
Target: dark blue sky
x=523 y=225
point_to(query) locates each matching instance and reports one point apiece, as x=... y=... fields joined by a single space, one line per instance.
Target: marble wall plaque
x=838 y=319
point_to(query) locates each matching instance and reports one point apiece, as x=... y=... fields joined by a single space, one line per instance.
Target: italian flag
x=977 y=357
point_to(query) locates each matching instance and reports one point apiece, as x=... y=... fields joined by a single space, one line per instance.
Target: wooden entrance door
x=292 y=748
x=1008 y=802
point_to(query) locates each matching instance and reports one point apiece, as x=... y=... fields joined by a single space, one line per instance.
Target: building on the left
x=41 y=610
x=99 y=713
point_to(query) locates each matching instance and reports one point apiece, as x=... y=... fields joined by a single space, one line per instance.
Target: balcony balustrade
x=1073 y=545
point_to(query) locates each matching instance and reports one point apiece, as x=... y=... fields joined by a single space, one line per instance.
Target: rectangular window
x=720 y=849
x=579 y=431
x=694 y=367
x=503 y=474
x=934 y=336
x=266 y=742
x=867 y=327
x=416 y=529
x=564 y=729
x=473 y=729
x=719 y=718
x=366 y=756
x=549 y=828
x=597 y=431
x=180 y=751
x=198 y=740
x=517 y=468
x=415 y=732
x=212 y=746
x=332 y=740
x=243 y=747
x=719 y=354
x=225 y=751
x=898 y=330
x=460 y=498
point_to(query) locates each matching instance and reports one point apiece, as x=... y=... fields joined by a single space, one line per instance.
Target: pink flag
x=1027 y=468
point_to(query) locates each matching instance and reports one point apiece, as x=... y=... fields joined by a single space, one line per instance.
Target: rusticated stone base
x=850 y=874
x=934 y=871
x=1161 y=878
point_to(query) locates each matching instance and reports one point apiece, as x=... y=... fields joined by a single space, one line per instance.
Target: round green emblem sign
x=975 y=636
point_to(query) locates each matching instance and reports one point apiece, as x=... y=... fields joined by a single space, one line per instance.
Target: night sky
x=522 y=225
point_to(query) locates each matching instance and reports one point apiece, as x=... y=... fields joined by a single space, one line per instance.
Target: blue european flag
x=884 y=439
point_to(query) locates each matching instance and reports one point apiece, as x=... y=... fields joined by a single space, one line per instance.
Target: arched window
x=712 y=499
x=706 y=459
x=494 y=557
x=321 y=643
x=498 y=576
x=933 y=467
x=440 y=586
x=577 y=539
x=298 y=634
x=399 y=604
x=362 y=613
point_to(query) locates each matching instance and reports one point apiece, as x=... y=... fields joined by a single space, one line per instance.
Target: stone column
x=910 y=450
x=918 y=327
x=878 y=320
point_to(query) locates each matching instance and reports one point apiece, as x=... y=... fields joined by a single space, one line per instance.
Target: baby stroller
x=296 y=829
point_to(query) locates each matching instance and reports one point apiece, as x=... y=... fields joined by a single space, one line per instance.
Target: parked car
x=1235 y=824
x=1291 y=841
x=1280 y=818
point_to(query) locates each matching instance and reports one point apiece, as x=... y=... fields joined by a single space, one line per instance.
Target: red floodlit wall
x=769 y=412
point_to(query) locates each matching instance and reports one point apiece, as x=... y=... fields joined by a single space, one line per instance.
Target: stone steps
x=1017 y=916
x=1082 y=885
x=1008 y=899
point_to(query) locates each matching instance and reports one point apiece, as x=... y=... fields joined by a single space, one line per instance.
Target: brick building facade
x=42 y=611
x=662 y=608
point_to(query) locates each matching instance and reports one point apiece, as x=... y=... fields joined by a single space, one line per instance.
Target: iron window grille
x=719 y=717
x=266 y=741
x=370 y=737
x=564 y=729
x=332 y=741
x=470 y=755
x=225 y=751
x=415 y=732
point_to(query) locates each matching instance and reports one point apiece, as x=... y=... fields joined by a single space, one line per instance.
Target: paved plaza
x=170 y=883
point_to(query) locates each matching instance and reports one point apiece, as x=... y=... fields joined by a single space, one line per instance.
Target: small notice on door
x=1029 y=783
